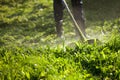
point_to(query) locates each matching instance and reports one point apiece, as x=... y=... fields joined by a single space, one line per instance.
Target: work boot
x=59 y=28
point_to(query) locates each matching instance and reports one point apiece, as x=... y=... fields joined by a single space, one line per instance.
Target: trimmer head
x=92 y=41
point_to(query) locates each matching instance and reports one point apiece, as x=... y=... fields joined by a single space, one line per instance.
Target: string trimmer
x=77 y=26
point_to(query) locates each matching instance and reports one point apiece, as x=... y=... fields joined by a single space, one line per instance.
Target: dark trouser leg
x=78 y=15
x=58 y=15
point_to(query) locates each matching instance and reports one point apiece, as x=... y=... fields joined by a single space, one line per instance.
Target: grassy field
x=30 y=50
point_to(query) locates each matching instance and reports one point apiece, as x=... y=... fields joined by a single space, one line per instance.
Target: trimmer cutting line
x=77 y=26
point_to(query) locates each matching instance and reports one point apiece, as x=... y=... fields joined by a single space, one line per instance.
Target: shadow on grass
x=102 y=9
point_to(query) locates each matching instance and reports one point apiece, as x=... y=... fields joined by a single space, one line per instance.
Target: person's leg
x=78 y=15
x=58 y=15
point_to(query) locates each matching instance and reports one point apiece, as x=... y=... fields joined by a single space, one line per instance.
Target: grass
x=81 y=62
x=36 y=27
x=30 y=50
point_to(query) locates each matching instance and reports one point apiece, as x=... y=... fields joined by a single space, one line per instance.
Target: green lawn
x=30 y=50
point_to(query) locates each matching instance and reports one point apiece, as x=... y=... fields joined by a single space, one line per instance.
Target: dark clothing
x=77 y=13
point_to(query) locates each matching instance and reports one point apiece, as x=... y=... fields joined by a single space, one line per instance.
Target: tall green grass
x=82 y=62
x=29 y=49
